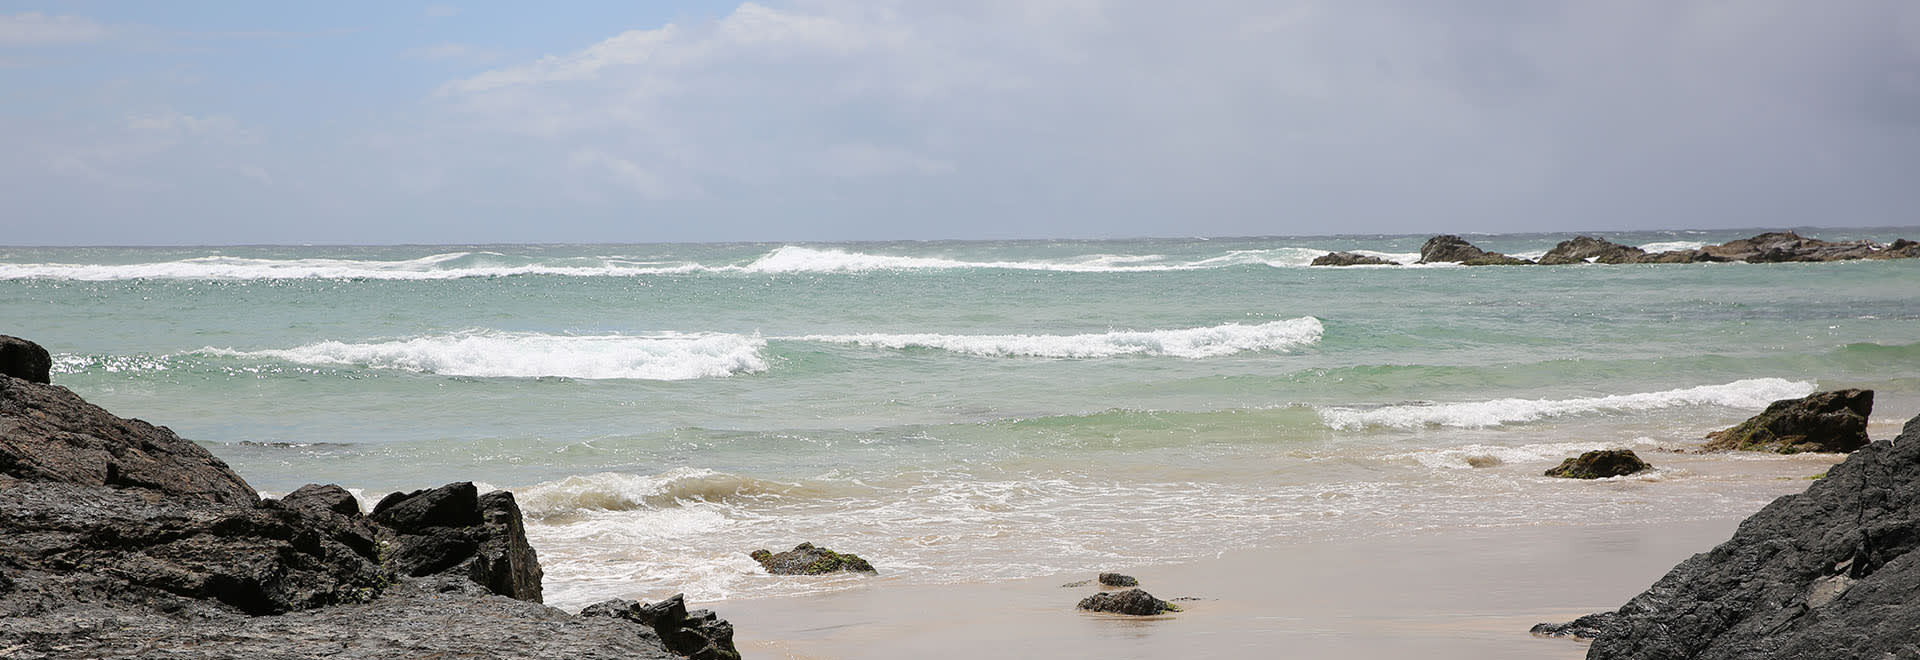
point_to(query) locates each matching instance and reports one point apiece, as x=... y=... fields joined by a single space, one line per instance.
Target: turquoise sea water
x=1063 y=405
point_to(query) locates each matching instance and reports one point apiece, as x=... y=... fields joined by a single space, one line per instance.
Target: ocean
x=971 y=411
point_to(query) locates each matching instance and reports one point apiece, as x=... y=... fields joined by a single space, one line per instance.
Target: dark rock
x=25 y=360
x=699 y=634
x=431 y=617
x=1586 y=627
x=804 y=559
x=1450 y=248
x=1784 y=246
x=1679 y=257
x=1077 y=584
x=263 y=559
x=1132 y=601
x=1600 y=465
x=1833 y=421
x=1584 y=248
x=324 y=498
x=48 y=433
x=453 y=528
x=1900 y=248
x=1350 y=259
x=1118 y=580
x=1828 y=573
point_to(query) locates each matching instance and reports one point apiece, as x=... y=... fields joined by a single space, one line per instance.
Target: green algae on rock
x=805 y=559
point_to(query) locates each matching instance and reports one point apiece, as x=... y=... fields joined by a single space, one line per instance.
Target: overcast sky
x=270 y=122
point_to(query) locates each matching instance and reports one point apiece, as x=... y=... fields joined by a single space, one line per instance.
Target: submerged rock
x=1118 y=580
x=1132 y=601
x=1350 y=259
x=1581 y=249
x=1830 y=572
x=1449 y=248
x=699 y=634
x=1600 y=465
x=805 y=559
x=25 y=360
x=1833 y=421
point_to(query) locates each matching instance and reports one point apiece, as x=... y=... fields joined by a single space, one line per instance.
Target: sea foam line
x=494 y=354
x=1749 y=393
x=1213 y=341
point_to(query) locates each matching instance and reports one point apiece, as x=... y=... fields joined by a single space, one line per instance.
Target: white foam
x=1204 y=342
x=1672 y=246
x=1749 y=393
x=493 y=354
x=796 y=259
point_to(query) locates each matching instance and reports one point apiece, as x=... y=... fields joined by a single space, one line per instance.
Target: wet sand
x=1435 y=594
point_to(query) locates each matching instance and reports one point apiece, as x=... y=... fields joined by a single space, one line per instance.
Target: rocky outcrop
x=455 y=529
x=1783 y=246
x=805 y=559
x=1827 y=573
x=25 y=360
x=1448 y=248
x=1600 y=465
x=1833 y=421
x=699 y=634
x=1586 y=627
x=1350 y=259
x=1584 y=249
x=1132 y=601
x=1118 y=580
x=121 y=539
x=50 y=434
x=1899 y=249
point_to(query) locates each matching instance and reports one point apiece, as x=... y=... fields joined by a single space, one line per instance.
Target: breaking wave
x=492 y=354
x=1211 y=341
x=1749 y=393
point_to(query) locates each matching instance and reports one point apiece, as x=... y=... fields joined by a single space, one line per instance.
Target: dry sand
x=1432 y=594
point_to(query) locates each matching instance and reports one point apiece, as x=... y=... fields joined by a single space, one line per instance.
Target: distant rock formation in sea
x=119 y=538
x=1769 y=247
x=1828 y=573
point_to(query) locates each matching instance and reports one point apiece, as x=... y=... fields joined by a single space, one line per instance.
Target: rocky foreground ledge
x=1829 y=573
x=118 y=538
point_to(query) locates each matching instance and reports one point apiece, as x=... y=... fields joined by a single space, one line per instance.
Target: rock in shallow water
x=1600 y=465
x=1350 y=259
x=1828 y=573
x=1132 y=601
x=697 y=634
x=1833 y=421
x=1118 y=580
x=805 y=559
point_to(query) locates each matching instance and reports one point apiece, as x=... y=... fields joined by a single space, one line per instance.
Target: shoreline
x=1437 y=593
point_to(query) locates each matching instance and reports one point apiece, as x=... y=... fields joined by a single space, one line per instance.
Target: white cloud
x=37 y=29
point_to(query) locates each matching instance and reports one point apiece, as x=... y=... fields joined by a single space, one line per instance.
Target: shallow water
x=661 y=409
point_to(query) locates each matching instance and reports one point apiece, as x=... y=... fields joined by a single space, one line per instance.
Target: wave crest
x=614 y=491
x=1749 y=393
x=1189 y=343
x=492 y=354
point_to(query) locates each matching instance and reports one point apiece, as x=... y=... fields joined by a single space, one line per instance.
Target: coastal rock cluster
x=119 y=538
x=1831 y=572
x=805 y=559
x=1770 y=247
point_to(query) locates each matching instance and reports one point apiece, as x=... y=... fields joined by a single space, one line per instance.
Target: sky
x=388 y=122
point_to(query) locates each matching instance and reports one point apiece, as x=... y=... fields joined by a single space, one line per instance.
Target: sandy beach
x=1456 y=593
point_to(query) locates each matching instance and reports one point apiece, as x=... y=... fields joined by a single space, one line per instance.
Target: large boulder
x=50 y=434
x=25 y=360
x=1136 y=602
x=1582 y=249
x=1833 y=421
x=1350 y=259
x=805 y=559
x=455 y=529
x=699 y=634
x=1448 y=248
x=1828 y=573
x=1600 y=465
